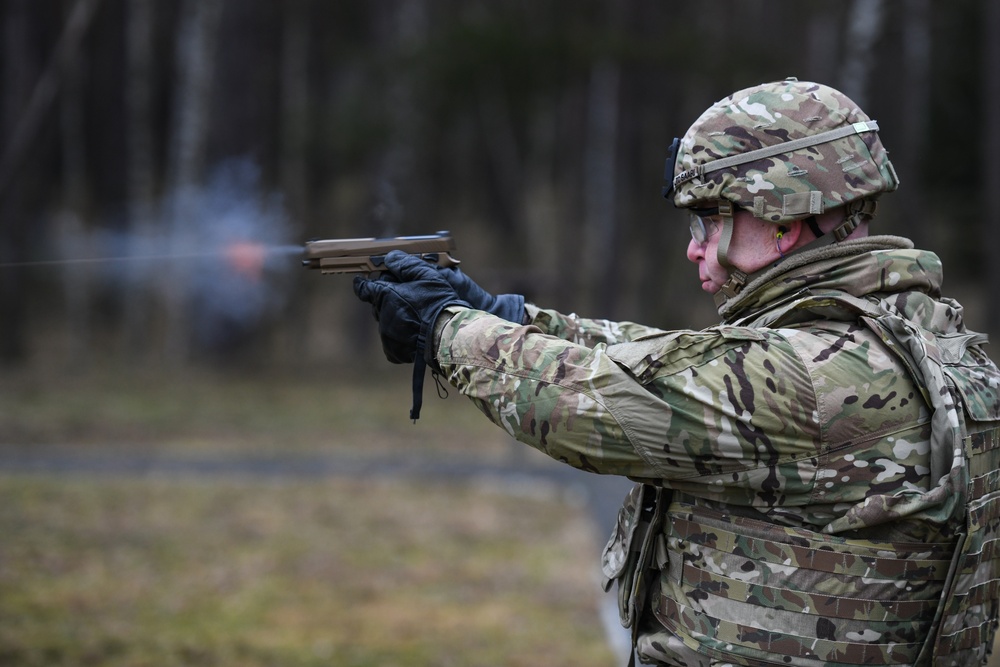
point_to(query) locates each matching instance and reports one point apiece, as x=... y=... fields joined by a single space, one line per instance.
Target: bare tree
x=196 y=40
x=25 y=114
x=294 y=103
x=29 y=118
x=71 y=116
x=601 y=173
x=402 y=30
x=599 y=187
x=864 y=27
x=991 y=166
x=544 y=216
x=77 y=280
x=17 y=75
x=823 y=31
x=916 y=97
x=140 y=175
x=504 y=151
x=294 y=136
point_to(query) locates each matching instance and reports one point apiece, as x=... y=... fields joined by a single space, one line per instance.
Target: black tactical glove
x=506 y=306
x=406 y=300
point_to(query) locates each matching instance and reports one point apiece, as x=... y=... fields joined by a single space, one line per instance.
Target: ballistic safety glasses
x=703 y=226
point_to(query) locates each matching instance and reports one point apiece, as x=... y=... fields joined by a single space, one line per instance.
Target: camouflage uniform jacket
x=797 y=499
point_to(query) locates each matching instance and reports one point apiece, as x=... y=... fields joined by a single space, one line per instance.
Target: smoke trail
x=220 y=253
x=227 y=299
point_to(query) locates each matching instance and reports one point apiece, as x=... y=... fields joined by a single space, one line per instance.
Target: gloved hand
x=507 y=306
x=406 y=301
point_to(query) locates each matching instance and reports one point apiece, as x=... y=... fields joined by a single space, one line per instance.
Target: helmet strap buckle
x=732 y=287
x=856 y=211
x=844 y=229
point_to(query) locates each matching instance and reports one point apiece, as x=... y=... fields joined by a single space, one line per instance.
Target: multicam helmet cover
x=781 y=150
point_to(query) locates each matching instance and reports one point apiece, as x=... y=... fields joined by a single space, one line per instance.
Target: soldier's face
x=703 y=251
x=750 y=249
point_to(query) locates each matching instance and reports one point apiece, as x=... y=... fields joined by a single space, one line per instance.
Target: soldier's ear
x=786 y=236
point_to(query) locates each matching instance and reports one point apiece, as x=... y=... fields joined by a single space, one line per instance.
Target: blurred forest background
x=158 y=133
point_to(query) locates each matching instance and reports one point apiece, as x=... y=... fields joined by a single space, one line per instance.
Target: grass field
x=173 y=569
x=233 y=570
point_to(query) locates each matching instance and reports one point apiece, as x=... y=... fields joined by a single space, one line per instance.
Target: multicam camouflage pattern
x=969 y=611
x=758 y=591
x=779 y=188
x=812 y=451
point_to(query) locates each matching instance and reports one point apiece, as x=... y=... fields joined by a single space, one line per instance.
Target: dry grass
x=227 y=570
x=166 y=571
x=343 y=411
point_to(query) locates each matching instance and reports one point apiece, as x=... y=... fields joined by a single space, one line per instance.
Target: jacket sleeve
x=585 y=331
x=664 y=407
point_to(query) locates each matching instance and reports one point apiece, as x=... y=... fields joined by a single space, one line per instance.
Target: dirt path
x=602 y=494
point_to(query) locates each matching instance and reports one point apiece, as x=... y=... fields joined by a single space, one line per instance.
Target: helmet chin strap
x=738 y=279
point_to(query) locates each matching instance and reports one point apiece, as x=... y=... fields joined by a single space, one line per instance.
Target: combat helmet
x=786 y=150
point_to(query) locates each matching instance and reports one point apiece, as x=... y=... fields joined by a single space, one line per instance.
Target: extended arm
x=585 y=331
x=682 y=408
x=512 y=307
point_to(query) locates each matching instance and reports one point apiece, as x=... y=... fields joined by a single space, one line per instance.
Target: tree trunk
x=29 y=118
x=504 y=154
x=72 y=241
x=77 y=280
x=293 y=168
x=25 y=115
x=17 y=74
x=864 y=27
x=916 y=100
x=821 y=43
x=991 y=166
x=196 y=41
x=74 y=150
x=294 y=105
x=542 y=209
x=186 y=157
x=140 y=174
x=599 y=190
x=403 y=29
x=600 y=177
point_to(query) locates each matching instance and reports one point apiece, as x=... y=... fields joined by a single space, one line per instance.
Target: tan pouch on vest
x=635 y=546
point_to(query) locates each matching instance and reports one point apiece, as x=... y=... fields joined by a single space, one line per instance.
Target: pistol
x=368 y=255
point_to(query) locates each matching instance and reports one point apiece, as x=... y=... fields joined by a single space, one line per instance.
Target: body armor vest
x=828 y=599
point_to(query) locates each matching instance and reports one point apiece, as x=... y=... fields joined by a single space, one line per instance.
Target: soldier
x=816 y=477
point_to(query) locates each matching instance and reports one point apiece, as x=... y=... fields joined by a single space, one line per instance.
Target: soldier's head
x=770 y=170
